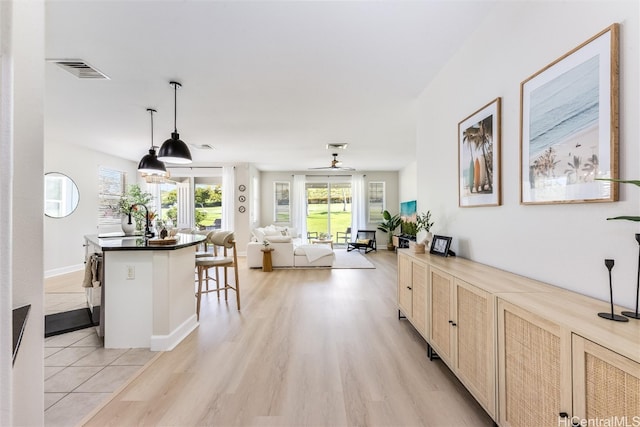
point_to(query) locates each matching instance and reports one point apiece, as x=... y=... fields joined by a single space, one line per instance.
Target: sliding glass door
x=188 y=202
x=328 y=209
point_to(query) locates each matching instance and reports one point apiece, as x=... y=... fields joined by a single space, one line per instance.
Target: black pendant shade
x=174 y=150
x=150 y=164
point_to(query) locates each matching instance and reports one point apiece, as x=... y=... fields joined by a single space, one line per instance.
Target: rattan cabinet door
x=475 y=333
x=440 y=311
x=419 y=316
x=606 y=385
x=405 y=285
x=534 y=368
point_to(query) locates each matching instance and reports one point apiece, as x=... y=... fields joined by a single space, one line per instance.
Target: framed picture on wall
x=569 y=126
x=479 y=157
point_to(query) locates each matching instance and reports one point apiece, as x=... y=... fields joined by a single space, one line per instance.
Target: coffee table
x=328 y=241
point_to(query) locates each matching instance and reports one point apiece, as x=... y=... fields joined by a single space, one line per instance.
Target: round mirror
x=60 y=195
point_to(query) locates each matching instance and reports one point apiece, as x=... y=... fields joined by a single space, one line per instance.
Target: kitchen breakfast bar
x=147 y=297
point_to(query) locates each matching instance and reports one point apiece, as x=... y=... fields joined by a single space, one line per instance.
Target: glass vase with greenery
x=423 y=222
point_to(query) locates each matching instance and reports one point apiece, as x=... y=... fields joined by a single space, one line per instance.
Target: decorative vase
x=427 y=240
x=128 y=229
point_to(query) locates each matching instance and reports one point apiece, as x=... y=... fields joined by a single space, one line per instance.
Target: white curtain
x=185 y=205
x=299 y=206
x=358 y=204
x=228 y=198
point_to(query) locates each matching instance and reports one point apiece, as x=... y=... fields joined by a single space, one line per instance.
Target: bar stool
x=225 y=241
x=205 y=253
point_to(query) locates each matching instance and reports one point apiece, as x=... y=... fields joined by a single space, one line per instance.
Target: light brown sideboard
x=529 y=352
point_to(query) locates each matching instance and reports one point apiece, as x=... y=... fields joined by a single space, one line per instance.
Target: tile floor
x=79 y=374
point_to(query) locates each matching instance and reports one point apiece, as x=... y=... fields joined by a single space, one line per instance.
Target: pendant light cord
x=151 y=111
x=175 y=105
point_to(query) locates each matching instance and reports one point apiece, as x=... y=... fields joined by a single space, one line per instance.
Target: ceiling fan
x=335 y=165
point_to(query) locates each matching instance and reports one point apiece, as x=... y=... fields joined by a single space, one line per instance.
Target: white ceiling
x=269 y=83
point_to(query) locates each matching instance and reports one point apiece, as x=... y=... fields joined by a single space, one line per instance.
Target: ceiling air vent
x=80 y=69
x=203 y=146
x=337 y=146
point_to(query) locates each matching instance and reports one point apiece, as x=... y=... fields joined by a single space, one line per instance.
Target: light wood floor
x=310 y=347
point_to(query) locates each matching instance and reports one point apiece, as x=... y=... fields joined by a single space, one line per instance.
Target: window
x=207 y=199
x=169 y=203
x=281 y=202
x=376 y=202
x=111 y=186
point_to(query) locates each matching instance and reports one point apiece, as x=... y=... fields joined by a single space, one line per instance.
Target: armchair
x=365 y=239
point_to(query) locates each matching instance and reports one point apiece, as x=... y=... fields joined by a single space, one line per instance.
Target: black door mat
x=68 y=321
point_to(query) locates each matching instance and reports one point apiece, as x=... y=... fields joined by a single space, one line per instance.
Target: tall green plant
x=390 y=223
x=623 y=181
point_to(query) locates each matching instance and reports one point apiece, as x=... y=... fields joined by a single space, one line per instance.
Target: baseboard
x=168 y=342
x=63 y=270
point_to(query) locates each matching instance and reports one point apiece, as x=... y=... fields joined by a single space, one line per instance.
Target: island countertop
x=138 y=243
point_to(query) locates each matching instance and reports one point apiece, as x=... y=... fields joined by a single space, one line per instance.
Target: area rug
x=352 y=259
x=67 y=321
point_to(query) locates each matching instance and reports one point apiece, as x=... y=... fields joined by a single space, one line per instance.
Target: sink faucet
x=147 y=226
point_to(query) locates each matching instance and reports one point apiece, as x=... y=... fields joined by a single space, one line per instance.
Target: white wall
x=242 y=229
x=408 y=184
x=22 y=50
x=64 y=237
x=563 y=245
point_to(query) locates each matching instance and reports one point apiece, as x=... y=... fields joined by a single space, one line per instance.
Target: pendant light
x=174 y=150
x=150 y=164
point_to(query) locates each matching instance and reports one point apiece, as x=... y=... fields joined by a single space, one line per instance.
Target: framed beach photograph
x=479 y=157
x=440 y=245
x=569 y=126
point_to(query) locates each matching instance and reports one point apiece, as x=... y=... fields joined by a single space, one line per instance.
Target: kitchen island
x=147 y=293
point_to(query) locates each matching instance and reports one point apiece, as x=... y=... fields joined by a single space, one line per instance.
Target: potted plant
x=390 y=223
x=623 y=181
x=424 y=223
x=134 y=196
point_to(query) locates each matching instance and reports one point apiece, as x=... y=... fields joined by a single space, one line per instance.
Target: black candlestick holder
x=631 y=314
x=611 y=316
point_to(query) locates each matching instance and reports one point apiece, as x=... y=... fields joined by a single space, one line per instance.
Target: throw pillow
x=259 y=234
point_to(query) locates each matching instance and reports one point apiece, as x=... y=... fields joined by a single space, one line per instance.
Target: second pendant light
x=174 y=150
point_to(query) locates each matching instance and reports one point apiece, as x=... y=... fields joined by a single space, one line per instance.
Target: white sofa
x=288 y=250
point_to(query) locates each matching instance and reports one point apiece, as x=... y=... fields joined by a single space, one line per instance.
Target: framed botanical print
x=569 y=126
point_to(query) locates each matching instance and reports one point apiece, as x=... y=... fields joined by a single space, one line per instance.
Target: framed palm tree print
x=479 y=157
x=569 y=126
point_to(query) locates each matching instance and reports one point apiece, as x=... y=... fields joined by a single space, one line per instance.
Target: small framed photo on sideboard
x=440 y=245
